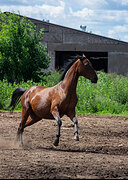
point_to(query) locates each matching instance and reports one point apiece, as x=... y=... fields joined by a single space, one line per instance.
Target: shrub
x=22 y=55
x=108 y=96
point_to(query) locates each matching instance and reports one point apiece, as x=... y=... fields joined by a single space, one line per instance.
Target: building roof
x=64 y=27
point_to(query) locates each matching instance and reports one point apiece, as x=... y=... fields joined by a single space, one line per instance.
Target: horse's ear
x=83 y=56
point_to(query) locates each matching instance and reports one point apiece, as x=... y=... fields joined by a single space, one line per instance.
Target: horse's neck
x=70 y=81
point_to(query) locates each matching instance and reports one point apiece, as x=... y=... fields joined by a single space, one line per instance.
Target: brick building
x=64 y=43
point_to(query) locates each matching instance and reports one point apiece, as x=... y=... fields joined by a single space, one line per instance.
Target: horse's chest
x=68 y=104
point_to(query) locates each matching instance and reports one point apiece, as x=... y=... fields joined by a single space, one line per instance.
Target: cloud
x=122 y=2
x=101 y=16
x=111 y=33
x=29 y=3
x=37 y=11
x=94 y=14
x=13 y=2
x=121 y=29
x=58 y=11
x=119 y=32
x=85 y=12
x=125 y=38
x=93 y=4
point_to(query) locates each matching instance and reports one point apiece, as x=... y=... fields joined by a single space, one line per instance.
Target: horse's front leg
x=73 y=118
x=59 y=123
x=55 y=114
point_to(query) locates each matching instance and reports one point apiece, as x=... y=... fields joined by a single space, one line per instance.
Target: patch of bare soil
x=101 y=152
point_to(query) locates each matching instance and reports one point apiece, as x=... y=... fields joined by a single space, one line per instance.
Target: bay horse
x=40 y=102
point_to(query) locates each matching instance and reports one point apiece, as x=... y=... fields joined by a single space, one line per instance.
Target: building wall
x=118 y=63
x=59 y=38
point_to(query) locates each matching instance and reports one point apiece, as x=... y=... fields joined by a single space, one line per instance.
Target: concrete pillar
x=118 y=62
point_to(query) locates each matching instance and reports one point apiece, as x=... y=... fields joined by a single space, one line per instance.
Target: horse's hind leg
x=76 y=137
x=19 y=135
x=33 y=118
x=25 y=114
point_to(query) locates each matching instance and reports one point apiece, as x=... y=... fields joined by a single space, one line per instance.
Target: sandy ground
x=101 y=152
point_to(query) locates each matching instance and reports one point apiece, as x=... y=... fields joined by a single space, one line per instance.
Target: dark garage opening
x=99 y=60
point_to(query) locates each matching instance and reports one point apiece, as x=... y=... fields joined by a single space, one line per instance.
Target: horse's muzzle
x=94 y=80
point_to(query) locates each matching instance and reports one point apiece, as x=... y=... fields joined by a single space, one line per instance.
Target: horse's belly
x=41 y=108
x=43 y=113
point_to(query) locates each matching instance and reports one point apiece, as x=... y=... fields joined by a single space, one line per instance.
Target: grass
x=109 y=96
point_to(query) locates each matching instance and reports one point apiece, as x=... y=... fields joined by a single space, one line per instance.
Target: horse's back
x=29 y=94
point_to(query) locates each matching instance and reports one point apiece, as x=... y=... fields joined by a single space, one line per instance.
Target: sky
x=107 y=18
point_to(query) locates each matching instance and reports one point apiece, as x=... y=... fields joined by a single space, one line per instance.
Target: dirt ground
x=101 y=152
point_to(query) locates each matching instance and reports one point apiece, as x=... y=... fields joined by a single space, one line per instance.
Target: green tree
x=22 y=55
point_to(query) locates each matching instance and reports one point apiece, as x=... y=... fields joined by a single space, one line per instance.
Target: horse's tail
x=15 y=98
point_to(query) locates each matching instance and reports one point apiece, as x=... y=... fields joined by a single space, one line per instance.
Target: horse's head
x=85 y=69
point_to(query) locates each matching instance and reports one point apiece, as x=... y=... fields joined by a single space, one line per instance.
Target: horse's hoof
x=56 y=142
x=76 y=138
x=21 y=145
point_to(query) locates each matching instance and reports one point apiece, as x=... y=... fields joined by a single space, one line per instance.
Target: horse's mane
x=67 y=68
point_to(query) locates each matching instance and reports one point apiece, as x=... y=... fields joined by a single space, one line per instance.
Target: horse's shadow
x=93 y=151
x=53 y=148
